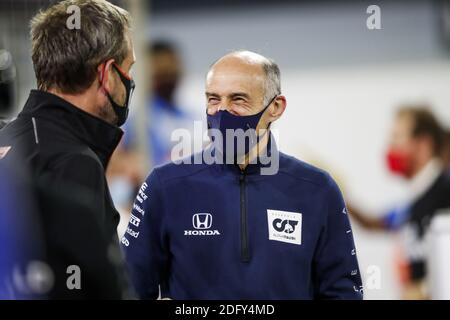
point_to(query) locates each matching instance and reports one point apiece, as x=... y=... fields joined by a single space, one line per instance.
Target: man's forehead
x=237 y=64
x=230 y=83
x=232 y=74
x=245 y=57
x=240 y=75
x=236 y=72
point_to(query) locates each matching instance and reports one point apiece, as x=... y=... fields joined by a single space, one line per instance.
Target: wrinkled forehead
x=233 y=75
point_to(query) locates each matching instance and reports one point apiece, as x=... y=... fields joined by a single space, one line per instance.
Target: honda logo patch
x=202 y=221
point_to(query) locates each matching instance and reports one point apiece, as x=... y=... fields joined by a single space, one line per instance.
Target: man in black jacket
x=66 y=134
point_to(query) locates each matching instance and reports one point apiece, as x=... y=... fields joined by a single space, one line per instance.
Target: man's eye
x=213 y=100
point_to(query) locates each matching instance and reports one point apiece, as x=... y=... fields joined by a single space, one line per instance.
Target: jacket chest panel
x=250 y=223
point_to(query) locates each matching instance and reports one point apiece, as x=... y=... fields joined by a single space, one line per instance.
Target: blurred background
x=344 y=83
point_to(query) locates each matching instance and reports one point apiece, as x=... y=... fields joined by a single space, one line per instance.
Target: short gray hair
x=67 y=59
x=272 y=81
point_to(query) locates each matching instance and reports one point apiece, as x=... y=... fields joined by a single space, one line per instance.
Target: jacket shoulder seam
x=178 y=176
x=319 y=184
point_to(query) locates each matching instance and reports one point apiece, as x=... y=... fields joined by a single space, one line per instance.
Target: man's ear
x=104 y=71
x=277 y=109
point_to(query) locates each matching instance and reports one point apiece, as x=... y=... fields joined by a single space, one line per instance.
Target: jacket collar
x=101 y=136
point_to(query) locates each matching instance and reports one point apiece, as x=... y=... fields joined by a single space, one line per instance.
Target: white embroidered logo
x=285 y=226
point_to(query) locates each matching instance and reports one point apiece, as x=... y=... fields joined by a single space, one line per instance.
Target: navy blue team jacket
x=212 y=231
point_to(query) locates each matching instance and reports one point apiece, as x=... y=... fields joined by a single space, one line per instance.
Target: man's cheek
x=121 y=95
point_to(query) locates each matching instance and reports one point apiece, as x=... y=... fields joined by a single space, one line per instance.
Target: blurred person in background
x=19 y=226
x=8 y=205
x=7 y=85
x=414 y=153
x=166 y=114
x=446 y=151
x=126 y=172
x=24 y=264
x=65 y=135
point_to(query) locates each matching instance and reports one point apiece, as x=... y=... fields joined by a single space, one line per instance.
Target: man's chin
x=106 y=113
x=112 y=119
x=115 y=121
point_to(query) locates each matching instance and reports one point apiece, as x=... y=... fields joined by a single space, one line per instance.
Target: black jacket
x=67 y=151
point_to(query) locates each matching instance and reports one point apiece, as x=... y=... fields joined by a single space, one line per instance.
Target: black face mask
x=122 y=111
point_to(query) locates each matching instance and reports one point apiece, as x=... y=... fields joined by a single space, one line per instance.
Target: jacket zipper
x=245 y=255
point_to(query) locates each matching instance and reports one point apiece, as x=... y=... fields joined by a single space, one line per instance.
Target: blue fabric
x=167 y=117
x=158 y=251
x=8 y=235
x=397 y=217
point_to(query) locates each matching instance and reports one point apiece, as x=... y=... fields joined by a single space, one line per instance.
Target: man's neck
x=256 y=150
x=81 y=101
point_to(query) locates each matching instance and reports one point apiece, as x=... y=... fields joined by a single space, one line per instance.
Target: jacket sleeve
x=145 y=241
x=335 y=268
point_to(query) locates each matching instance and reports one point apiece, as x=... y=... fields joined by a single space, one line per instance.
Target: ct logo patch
x=285 y=226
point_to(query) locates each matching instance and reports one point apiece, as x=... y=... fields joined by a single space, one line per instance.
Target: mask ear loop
x=265 y=131
x=270 y=123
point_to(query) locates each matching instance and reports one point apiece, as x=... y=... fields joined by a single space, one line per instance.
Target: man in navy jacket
x=252 y=224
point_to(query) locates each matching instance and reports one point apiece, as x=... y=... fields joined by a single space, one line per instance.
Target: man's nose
x=222 y=107
x=226 y=106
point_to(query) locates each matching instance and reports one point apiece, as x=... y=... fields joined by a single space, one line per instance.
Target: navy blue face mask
x=223 y=120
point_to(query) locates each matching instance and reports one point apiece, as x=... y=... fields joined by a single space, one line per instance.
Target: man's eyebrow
x=239 y=94
x=231 y=95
